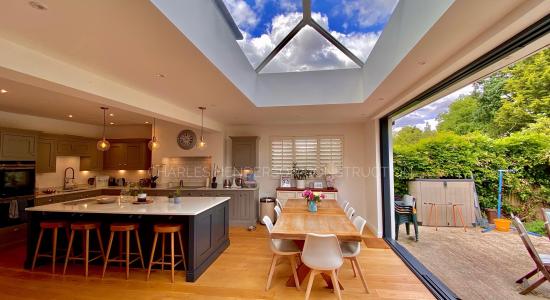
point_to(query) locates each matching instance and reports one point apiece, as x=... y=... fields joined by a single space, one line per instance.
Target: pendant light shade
x=202 y=143
x=103 y=144
x=154 y=143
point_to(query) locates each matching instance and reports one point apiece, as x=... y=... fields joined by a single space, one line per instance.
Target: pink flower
x=322 y=196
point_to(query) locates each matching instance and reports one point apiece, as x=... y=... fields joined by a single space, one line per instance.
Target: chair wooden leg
x=528 y=275
x=120 y=236
x=173 y=261
x=162 y=248
x=533 y=286
x=152 y=255
x=69 y=251
x=354 y=260
x=54 y=249
x=68 y=233
x=461 y=218
x=100 y=242
x=40 y=235
x=310 y=283
x=109 y=245
x=86 y=252
x=353 y=268
x=182 y=251
x=138 y=242
x=271 y=270
x=127 y=254
x=335 y=284
x=293 y=267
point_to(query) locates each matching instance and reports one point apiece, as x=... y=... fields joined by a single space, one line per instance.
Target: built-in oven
x=16 y=191
x=16 y=179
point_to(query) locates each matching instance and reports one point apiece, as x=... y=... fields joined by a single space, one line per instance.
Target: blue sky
x=355 y=23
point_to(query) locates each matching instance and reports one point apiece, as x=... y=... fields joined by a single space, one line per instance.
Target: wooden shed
x=442 y=196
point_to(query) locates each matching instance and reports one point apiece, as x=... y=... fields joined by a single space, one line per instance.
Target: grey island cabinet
x=205 y=222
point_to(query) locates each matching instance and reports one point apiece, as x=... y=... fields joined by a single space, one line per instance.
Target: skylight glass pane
x=308 y=51
x=263 y=23
x=357 y=24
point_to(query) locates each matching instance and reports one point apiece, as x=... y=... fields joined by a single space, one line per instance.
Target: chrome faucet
x=67 y=178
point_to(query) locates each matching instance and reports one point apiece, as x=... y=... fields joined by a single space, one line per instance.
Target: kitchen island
x=205 y=223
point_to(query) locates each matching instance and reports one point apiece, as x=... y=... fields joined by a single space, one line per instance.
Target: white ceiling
x=91 y=52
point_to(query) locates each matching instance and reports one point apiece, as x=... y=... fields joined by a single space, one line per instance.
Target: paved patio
x=477 y=265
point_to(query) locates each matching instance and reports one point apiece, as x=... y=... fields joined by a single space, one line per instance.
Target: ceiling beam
x=281 y=45
x=335 y=42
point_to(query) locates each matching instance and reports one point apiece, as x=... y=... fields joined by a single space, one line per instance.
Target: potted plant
x=141 y=195
x=178 y=196
x=154 y=181
x=300 y=175
x=312 y=200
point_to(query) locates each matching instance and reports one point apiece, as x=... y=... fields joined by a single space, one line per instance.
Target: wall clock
x=187 y=139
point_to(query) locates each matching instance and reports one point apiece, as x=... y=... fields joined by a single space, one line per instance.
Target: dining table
x=296 y=221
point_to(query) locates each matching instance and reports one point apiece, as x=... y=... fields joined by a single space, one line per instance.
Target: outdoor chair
x=542 y=261
x=405 y=214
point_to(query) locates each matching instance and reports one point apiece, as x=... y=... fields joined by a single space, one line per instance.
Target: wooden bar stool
x=54 y=226
x=85 y=228
x=167 y=229
x=124 y=256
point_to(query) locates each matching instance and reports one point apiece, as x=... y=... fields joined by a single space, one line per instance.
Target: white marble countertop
x=163 y=188
x=190 y=206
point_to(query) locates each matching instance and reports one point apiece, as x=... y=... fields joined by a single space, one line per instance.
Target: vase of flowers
x=312 y=200
x=300 y=175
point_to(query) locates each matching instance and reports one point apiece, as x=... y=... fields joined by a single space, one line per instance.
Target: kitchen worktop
x=160 y=188
x=190 y=206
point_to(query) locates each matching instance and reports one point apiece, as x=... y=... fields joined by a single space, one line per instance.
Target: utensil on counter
x=106 y=200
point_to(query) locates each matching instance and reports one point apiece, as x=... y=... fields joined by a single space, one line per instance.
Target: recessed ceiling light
x=160 y=75
x=38 y=5
x=70 y=116
x=146 y=122
x=3 y=91
x=112 y=123
x=111 y=115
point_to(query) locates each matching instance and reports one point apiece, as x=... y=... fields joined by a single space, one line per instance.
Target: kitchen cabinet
x=93 y=161
x=127 y=155
x=46 y=155
x=18 y=145
x=73 y=146
x=244 y=151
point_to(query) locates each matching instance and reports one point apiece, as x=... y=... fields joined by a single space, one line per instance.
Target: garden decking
x=477 y=265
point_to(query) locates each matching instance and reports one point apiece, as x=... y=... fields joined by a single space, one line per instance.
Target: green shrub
x=536 y=226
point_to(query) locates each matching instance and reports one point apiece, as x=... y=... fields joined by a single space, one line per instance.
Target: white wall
x=373 y=191
x=167 y=136
x=351 y=187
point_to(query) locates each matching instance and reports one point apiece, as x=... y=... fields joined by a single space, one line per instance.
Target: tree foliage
x=503 y=124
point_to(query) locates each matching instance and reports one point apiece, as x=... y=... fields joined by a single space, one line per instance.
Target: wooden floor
x=477 y=265
x=239 y=273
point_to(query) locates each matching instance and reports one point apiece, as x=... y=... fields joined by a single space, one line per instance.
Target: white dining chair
x=350 y=212
x=277 y=212
x=322 y=253
x=350 y=250
x=281 y=248
x=278 y=203
x=346 y=205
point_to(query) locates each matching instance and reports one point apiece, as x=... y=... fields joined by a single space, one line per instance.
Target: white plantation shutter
x=331 y=150
x=281 y=155
x=312 y=153
x=305 y=153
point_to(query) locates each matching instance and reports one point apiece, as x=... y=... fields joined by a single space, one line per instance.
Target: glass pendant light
x=103 y=144
x=202 y=143
x=154 y=143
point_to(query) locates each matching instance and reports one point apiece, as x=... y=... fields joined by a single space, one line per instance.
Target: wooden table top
x=295 y=221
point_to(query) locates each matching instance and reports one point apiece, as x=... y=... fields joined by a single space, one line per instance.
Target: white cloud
x=308 y=50
x=242 y=13
x=366 y=12
x=429 y=113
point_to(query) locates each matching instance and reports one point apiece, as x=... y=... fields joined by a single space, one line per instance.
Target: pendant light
x=153 y=143
x=202 y=143
x=103 y=144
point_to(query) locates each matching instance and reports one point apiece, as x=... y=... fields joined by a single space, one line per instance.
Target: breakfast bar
x=204 y=220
